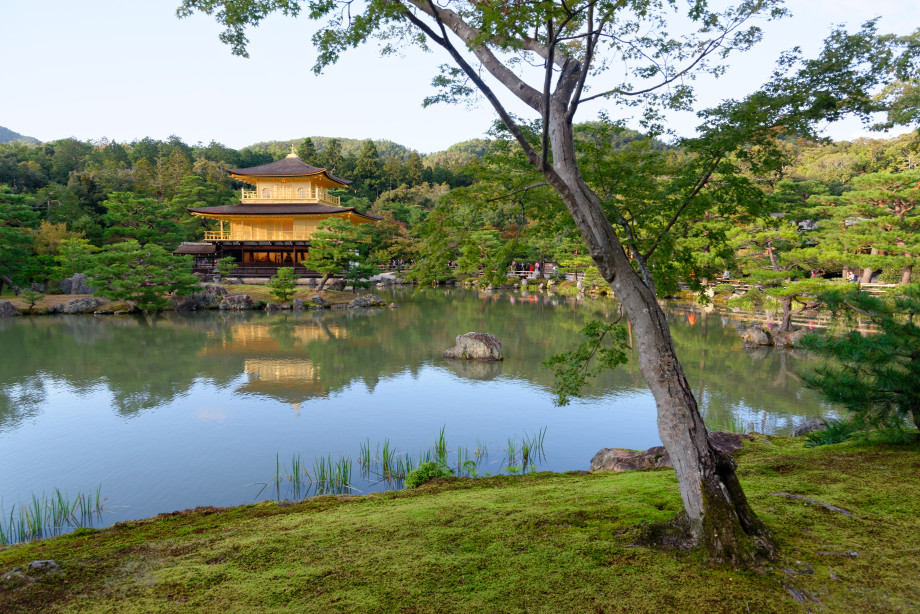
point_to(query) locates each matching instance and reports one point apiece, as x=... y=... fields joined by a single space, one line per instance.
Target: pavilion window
x=301 y=193
x=266 y=193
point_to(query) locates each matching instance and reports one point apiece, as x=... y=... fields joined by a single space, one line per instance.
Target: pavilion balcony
x=293 y=194
x=256 y=234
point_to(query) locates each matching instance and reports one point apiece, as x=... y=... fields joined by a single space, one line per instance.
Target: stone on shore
x=476 y=346
x=809 y=426
x=620 y=459
x=319 y=301
x=82 y=305
x=235 y=302
x=7 y=309
x=209 y=297
x=75 y=285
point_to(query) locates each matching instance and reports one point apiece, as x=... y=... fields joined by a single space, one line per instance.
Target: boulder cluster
x=758 y=335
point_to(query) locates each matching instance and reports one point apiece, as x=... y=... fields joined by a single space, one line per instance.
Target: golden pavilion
x=272 y=225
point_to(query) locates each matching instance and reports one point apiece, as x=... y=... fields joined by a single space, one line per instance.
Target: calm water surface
x=175 y=411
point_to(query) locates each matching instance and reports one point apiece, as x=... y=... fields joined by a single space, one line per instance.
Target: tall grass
x=49 y=515
x=386 y=464
x=521 y=456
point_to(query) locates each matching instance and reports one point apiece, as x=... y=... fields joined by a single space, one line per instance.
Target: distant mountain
x=457 y=154
x=8 y=136
x=386 y=149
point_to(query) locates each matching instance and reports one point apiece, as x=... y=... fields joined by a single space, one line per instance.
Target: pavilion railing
x=290 y=194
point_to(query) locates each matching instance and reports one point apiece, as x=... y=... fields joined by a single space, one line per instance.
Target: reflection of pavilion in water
x=274 y=360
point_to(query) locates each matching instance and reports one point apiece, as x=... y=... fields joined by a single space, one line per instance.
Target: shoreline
x=541 y=542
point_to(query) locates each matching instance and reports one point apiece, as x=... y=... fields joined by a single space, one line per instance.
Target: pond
x=175 y=411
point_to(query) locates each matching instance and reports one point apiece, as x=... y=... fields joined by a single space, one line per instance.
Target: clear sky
x=126 y=69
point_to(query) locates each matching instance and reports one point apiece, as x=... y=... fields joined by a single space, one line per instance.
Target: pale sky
x=126 y=69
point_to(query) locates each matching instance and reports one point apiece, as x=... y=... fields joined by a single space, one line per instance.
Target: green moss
x=541 y=542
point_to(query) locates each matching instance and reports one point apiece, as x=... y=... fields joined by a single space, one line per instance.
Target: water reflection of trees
x=291 y=357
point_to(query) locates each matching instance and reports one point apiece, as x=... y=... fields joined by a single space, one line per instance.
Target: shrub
x=836 y=431
x=425 y=472
x=282 y=285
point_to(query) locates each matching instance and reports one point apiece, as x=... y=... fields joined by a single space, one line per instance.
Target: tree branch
x=696 y=190
x=525 y=189
x=443 y=16
x=444 y=41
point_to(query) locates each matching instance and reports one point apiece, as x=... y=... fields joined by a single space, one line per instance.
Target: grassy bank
x=258 y=293
x=541 y=543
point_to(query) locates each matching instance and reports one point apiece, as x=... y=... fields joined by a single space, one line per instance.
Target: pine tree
x=145 y=274
x=307 y=152
x=17 y=219
x=369 y=169
x=282 y=286
x=414 y=169
x=337 y=247
x=142 y=219
x=331 y=157
x=875 y=375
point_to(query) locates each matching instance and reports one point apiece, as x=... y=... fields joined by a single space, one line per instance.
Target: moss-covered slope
x=539 y=543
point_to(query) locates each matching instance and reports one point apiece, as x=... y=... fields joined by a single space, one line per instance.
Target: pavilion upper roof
x=290 y=166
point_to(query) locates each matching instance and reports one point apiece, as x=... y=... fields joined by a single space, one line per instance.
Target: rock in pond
x=297 y=305
x=790 y=338
x=365 y=301
x=476 y=346
x=619 y=459
x=272 y=307
x=7 y=309
x=481 y=370
x=319 y=301
x=756 y=335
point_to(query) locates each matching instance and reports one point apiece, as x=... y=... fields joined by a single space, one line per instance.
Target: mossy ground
x=541 y=543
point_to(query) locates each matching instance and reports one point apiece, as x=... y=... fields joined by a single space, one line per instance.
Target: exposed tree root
x=832 y=508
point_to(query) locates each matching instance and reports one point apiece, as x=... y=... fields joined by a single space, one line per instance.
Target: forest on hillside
x=830 y=209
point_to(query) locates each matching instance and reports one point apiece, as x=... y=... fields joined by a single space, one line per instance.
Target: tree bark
x=773 y=263
x=9 y=282
x=867 y=272
x=720 y=519
x=322 y=282
x=906 y=275
x=786 y=324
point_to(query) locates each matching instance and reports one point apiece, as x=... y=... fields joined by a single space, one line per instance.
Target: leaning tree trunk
x=905 y=275
x=720 y=518
x=322 y=282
